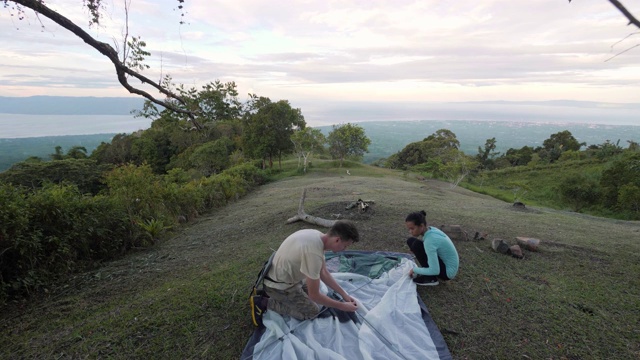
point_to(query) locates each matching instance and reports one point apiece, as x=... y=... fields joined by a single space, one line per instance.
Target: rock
x=528 y=243
x=480 y=235
x=516 y=251
x=518 y=205
x=455 y=232
x=499 y=245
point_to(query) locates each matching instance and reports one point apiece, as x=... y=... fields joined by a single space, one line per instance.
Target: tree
x=77 y=152
x=485 y=156
x=441 y=145
x=624 y=171
x=557 y=143
x=128 y=63
x=268 y=127
x=212 y=157
x=305 y=142
x=625 y=12
x=347 y=140
x=519 y=157
x=457 y=167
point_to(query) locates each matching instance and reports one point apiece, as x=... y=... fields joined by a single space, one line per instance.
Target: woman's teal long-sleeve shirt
x=437 y=244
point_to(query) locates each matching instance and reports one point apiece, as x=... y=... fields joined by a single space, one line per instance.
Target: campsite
x=577 y=297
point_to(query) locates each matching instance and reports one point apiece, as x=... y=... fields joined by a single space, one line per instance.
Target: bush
x=579 y=191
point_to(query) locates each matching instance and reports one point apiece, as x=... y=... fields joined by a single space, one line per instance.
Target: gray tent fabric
x=392 y=321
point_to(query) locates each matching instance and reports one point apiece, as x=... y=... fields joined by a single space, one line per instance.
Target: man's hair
x=418 y=217
x=346 y=230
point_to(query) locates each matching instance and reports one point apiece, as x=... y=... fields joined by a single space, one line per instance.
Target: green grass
x=187 y=298
x=537 y=185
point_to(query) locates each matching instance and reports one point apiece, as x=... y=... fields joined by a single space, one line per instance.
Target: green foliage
x=307 y=141
x=347 y=140
x=135 y=54
x=212 y=157
x=440 y=147
x=153 y=228
x=51 y=232
x=622 y=171
x=84 y=173
x=579 y=190
x=629 y=199
x=268 y=127
x=486 y=156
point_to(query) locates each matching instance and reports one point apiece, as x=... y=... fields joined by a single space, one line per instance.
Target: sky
x=349 y=60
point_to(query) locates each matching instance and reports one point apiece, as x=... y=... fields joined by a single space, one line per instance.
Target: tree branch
x=121 y=70
x=626 y=13
x=302 y=216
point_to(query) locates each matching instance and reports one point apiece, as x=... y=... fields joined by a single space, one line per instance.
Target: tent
x=392 y=321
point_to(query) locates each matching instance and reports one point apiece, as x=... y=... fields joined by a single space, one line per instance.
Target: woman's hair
x=418 y=217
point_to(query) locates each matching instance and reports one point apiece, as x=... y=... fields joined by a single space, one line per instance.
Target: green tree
x=268 y=127
x=77 y=152
x=629 y=199
x=457 y=166
x=486 y=156
x=442 y=145
x=519 y=157
x=58 y=154
x=557 y=143
x=624 y=171
x=347 y=140
x=579 y=191
x=212 y=157
x=117 y=152
x=305 y=142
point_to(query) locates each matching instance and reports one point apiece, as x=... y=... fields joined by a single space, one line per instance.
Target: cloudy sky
x=349 y=60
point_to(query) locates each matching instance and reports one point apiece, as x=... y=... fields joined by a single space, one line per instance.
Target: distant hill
x=70 y=105
x=16 y=150
x=389 y=137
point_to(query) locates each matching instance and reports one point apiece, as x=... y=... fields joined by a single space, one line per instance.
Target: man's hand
x=350 y=306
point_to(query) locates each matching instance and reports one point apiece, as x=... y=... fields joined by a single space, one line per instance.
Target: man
x=293 y=282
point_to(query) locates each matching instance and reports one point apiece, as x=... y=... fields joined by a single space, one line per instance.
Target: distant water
x=22 y=126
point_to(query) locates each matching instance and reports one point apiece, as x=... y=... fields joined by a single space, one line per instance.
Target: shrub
x=579 y=191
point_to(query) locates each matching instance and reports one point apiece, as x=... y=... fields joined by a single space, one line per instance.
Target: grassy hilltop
x=186 y=298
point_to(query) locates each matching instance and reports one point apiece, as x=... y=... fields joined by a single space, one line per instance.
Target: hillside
x=187 y=297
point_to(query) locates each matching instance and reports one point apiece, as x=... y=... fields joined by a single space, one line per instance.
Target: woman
x=433 y=249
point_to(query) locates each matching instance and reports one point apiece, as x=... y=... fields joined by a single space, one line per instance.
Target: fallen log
x=302 y=216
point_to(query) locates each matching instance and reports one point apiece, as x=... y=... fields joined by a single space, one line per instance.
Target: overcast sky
x=344 y=61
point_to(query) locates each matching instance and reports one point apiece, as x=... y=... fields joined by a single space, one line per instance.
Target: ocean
x=13 y=126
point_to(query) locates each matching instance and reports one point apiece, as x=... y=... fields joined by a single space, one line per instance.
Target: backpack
x=258 y=298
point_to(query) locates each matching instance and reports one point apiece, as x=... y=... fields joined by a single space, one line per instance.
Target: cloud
x=315 y=52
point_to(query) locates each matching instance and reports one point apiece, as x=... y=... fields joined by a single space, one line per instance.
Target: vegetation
x=601 y=180
x=186 y=297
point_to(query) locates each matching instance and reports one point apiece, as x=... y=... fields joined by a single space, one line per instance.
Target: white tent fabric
x=389 y=325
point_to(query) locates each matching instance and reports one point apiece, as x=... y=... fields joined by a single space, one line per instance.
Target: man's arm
x=313 y=290
x=328 y=279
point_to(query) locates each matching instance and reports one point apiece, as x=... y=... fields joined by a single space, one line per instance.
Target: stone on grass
x=516 y=251
x=455 y=232
x=499 y=245
x=528 y=243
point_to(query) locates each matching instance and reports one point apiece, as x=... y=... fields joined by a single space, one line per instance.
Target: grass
x=577 y=298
